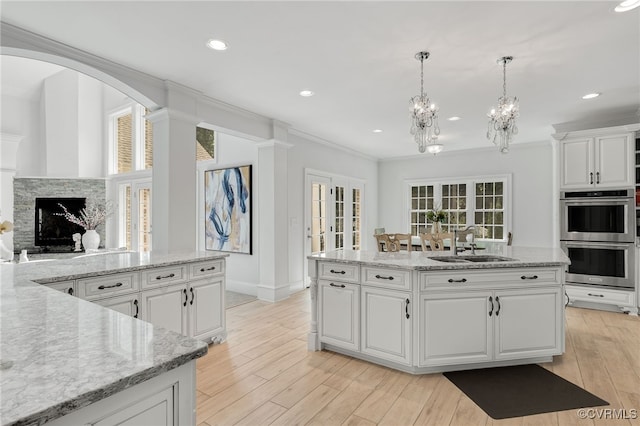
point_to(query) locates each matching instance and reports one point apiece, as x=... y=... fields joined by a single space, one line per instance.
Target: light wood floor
x=263 y=374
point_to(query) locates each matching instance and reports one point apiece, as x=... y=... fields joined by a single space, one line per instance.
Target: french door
x=134 y=215
x=333 y=214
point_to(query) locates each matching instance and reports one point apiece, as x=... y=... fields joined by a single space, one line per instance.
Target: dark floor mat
x=521 y=390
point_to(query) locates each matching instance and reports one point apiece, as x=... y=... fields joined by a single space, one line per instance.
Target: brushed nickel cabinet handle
x=382 y=277
x=161 y=277
x=336 y=285
x=207 y=269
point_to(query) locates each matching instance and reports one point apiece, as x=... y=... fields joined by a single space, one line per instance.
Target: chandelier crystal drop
x=502 y=119
x=424 y=116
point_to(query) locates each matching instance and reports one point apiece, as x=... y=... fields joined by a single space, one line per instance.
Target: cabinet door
x=157 y=410
x=614 y=161
x=339 y=314
x=528 y=323
x=206 y=308
x=128 y=305
x=456 y=328
x=386 y=324
x=577 y=164
x=167 y=307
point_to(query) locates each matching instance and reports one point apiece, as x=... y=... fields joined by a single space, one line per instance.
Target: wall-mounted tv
x=52 y=229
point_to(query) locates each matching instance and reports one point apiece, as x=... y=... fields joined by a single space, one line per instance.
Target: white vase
x=436 y=228
x=90 y=240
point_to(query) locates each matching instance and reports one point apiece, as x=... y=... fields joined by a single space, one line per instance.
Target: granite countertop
x=59 y=353
x=426 y=261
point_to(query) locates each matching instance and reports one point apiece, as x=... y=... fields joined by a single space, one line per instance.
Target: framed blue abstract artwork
x=227 y=204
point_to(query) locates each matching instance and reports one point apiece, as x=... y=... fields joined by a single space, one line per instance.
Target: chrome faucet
x=464 y=232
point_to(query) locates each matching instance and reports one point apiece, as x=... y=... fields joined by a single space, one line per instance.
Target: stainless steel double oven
x=598 y=233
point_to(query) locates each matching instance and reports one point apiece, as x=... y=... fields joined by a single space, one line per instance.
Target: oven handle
x=591 y=244
x=605 y=201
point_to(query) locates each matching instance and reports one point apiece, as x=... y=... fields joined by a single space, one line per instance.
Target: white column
x=173 y=193
x=8 y=160
x=273 y=239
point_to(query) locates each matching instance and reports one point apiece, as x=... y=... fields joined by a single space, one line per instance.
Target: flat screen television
x=53 y=229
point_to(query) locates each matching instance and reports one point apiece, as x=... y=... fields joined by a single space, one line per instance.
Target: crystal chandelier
x=424 y=116
x=502 y=120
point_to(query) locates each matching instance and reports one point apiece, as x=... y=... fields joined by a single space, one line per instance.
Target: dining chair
x=399 y=239
x=382 y=241
x=435 y=241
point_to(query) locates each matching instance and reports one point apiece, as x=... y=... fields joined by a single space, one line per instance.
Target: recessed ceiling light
x=306 y=93
x=217 y=44
x=591 y=95
x=455 y=118
x=627 y=5
x=377 y=131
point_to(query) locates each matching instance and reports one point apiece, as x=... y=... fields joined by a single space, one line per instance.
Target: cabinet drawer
x=387 y=278
x=339 y=271
x=460 y=278
x=68 y=287
x=156 y=277
x=597 y=295
x=107 y=286
x=206 y=268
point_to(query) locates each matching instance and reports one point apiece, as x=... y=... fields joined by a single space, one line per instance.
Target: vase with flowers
x=90 y=217
x=5 y=253
x=436 y=216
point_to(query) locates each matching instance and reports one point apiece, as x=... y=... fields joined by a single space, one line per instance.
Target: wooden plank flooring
x=263 y=374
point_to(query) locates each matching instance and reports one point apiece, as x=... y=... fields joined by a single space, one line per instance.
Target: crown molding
x=627 y=128
x=315 y=139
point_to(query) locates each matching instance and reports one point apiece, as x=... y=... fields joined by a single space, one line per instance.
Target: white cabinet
x=339 y=314
x=456 y=328
x=195 y=309
x=386 y=324
x=128 y=304
x=164 y=400
x=477 y=326
x=167 y=307
x=603 y=161
x=206 y=306
x=528 y=323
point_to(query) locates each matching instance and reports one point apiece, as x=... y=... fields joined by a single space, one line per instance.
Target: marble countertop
x=424 y=261
x=59 y=353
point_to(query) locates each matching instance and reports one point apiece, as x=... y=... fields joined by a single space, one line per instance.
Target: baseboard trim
x=242 y=287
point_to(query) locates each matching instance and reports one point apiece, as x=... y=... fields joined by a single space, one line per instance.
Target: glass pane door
x=339 y=218
x=318 y=231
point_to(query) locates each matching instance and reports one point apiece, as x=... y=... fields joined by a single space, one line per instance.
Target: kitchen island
x=69 y=360
x=424 y=312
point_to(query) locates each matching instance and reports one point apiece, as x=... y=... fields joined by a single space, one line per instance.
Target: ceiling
x=358 y=58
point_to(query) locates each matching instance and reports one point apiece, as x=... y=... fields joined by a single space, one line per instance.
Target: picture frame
x=228 y=209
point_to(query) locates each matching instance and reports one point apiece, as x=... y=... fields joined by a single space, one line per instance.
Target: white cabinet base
x=435 y=369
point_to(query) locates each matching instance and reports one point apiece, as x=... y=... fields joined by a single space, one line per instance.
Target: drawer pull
x=337 y=272
x=70 y=291
x=160 y=277
x=381 y=277
x=336 y=285
x=595 y=295
x=406 y=308
x=207 y=269
x=186 y=298
x=451 y=280
x=531 y=277
x=102 y=287
x=135 y=303
x=491 y=301
x=193 y=296
x=498 y=301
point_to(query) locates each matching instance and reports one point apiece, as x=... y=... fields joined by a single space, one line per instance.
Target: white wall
x=21 y=117
x=308 y=154
x=91 y=120
x=532 y=169
x=243 y=270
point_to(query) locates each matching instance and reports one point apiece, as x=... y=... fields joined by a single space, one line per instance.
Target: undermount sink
x=475 y=259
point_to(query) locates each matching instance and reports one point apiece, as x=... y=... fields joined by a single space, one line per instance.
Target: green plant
x=436 y=215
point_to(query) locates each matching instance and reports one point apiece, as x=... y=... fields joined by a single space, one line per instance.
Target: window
x=339 y=218
x=205 y=144
x=356 y=235
x=130 y=140
x=479 y=201
x=421 y=201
